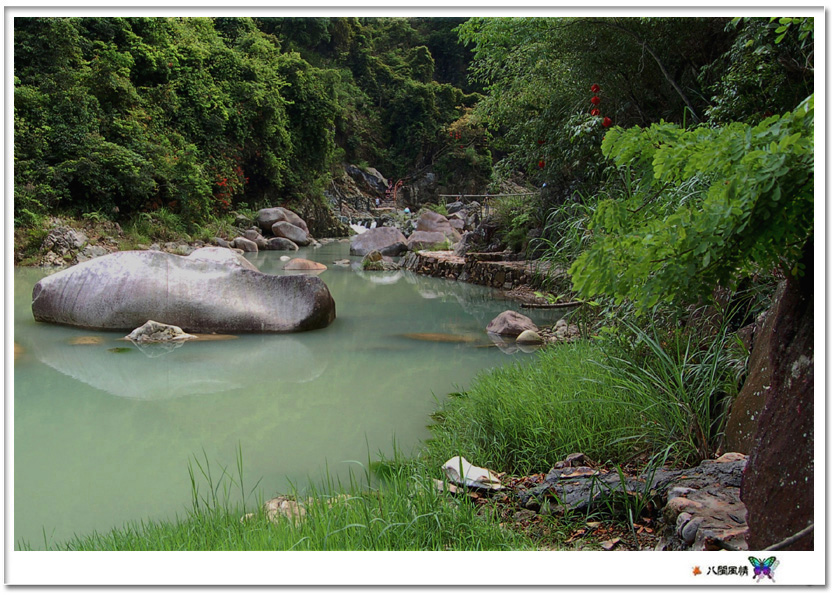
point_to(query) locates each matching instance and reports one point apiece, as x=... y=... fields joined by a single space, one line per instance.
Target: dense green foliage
x=692 y=182
x=701 y=207
x=539 y=73
x=203 y=115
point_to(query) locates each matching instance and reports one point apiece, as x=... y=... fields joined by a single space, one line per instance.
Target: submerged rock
x=86 y=340
x=125 y=289
x=301 y=264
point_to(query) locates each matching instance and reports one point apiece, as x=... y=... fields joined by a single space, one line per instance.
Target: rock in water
x=125 y=289
x=529 y=337
x=510 y=323
x=156 y=332
x=245 y=244
x=283 y=229
x=301 y=264
x=387 y=240
x=281 y=244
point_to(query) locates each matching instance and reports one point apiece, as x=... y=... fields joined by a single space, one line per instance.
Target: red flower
x=606 y=121
x=594 y=88
x=595 y=111
x=541 y=142
x=595 y=100
x=541 y=164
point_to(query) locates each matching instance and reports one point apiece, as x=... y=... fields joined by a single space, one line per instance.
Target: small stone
x=524 y=515
x=529 y=336
x=156 y=332
x=688 y=531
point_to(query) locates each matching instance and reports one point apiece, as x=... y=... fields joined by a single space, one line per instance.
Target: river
x=104 y=431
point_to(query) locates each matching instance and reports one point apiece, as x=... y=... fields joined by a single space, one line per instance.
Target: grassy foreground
x=518 y=419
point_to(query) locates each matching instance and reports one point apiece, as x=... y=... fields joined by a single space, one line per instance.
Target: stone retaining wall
x=480 y=269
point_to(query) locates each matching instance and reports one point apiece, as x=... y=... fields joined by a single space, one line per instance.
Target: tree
x=702 y=207
x=539 y=74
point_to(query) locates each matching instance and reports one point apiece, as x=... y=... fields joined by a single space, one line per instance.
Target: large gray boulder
x=125 y=289
x=368 y=178
x=431 y=221
x=387 y=240
x=289 y=231
x=266 y=218
x=424 y=240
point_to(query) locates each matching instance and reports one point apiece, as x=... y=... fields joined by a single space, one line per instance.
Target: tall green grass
x=676 y=386
x=666 y=401
x=523 y=418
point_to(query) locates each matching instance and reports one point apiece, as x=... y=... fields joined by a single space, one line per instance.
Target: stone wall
x=489 y=269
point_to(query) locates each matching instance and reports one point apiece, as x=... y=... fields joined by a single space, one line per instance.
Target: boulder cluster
x=512 y=329
x=285 y=231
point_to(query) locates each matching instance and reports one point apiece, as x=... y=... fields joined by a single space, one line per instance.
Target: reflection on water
x=104 y=429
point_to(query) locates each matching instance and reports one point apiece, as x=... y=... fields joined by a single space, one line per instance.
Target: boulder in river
x=529 y=336
x=245 y=244
x=283 y=229
x=387 y=240
x=125 y=289
x=281 y=244
x=511 y=323
x=302 y=264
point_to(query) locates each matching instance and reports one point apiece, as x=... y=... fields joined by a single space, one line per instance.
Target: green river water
x=102 y=437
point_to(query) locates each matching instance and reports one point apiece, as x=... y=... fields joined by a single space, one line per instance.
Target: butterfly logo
x=764 y=568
